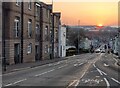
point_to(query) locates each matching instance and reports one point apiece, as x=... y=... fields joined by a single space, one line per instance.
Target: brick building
x=27 y=31
x=56 y=30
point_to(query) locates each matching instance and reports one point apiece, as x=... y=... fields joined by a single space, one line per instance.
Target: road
x=97 y=69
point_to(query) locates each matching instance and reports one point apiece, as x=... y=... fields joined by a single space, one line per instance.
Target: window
x=30 y=28
x=29 y=48
x=47 y=14
x=46 y=49
x=29 y=4
x=46 y=30
x=16 y=26
x=37 y=29
x=37 y=11
x=18 y=2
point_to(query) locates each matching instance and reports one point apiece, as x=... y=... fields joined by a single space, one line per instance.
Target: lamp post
x=78 y=34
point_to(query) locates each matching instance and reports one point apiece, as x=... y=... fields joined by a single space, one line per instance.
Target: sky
x=79 y=12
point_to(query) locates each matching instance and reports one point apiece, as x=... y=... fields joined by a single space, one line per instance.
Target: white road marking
x=57 y=63
x=51 y=70
x=108 y=84
x=103 y=72
x=75 y=64
x=115 y=80
x=16 y=82
x=74 y=83
x=99 y=71
x=80 y=64
x=77 y=82
x=44 y=72
x=50 y=64
x=82 y=75
x=19 y=81
x=94 y=65
x=9 y=84
x=62 y=66
x=115 y=60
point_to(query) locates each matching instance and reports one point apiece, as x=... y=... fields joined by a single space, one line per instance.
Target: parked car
x=119 y=45
x=103 y=51
x=97 y=50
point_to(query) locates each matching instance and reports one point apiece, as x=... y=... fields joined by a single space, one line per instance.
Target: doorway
x=17 y=53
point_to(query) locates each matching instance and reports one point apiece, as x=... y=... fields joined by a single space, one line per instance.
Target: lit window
x=16 y=26
x=30 y=28
x=29 y=48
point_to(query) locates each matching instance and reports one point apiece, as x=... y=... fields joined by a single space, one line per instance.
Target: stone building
x=45 y=27
x=19 y=32
x=27 y=28
x=56 y=30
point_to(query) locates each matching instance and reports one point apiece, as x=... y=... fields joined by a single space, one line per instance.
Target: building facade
x=46 y=22
x=56 y=32
x=19 y=32
x=62 y=41
x=27 y=31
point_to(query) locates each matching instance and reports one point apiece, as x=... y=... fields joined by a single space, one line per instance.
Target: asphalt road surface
x=97 y=69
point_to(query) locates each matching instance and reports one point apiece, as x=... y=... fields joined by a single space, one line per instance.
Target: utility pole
x=78 y=35
x=52 y=32
x=3 y=36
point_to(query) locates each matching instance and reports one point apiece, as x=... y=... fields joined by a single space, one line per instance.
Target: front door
x=37 y=53
x=17 y=53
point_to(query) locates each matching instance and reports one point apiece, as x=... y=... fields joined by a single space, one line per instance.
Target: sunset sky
x=89 y=13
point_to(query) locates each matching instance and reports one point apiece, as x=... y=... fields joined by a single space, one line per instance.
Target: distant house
x=85 y=44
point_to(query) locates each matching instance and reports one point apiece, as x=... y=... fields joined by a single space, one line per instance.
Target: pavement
x=24 y=66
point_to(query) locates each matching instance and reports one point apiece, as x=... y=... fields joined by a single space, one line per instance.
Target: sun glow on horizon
x=100 y=25
x=89 y=13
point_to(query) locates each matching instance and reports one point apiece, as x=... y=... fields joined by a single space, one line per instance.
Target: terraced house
x=27 y=28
